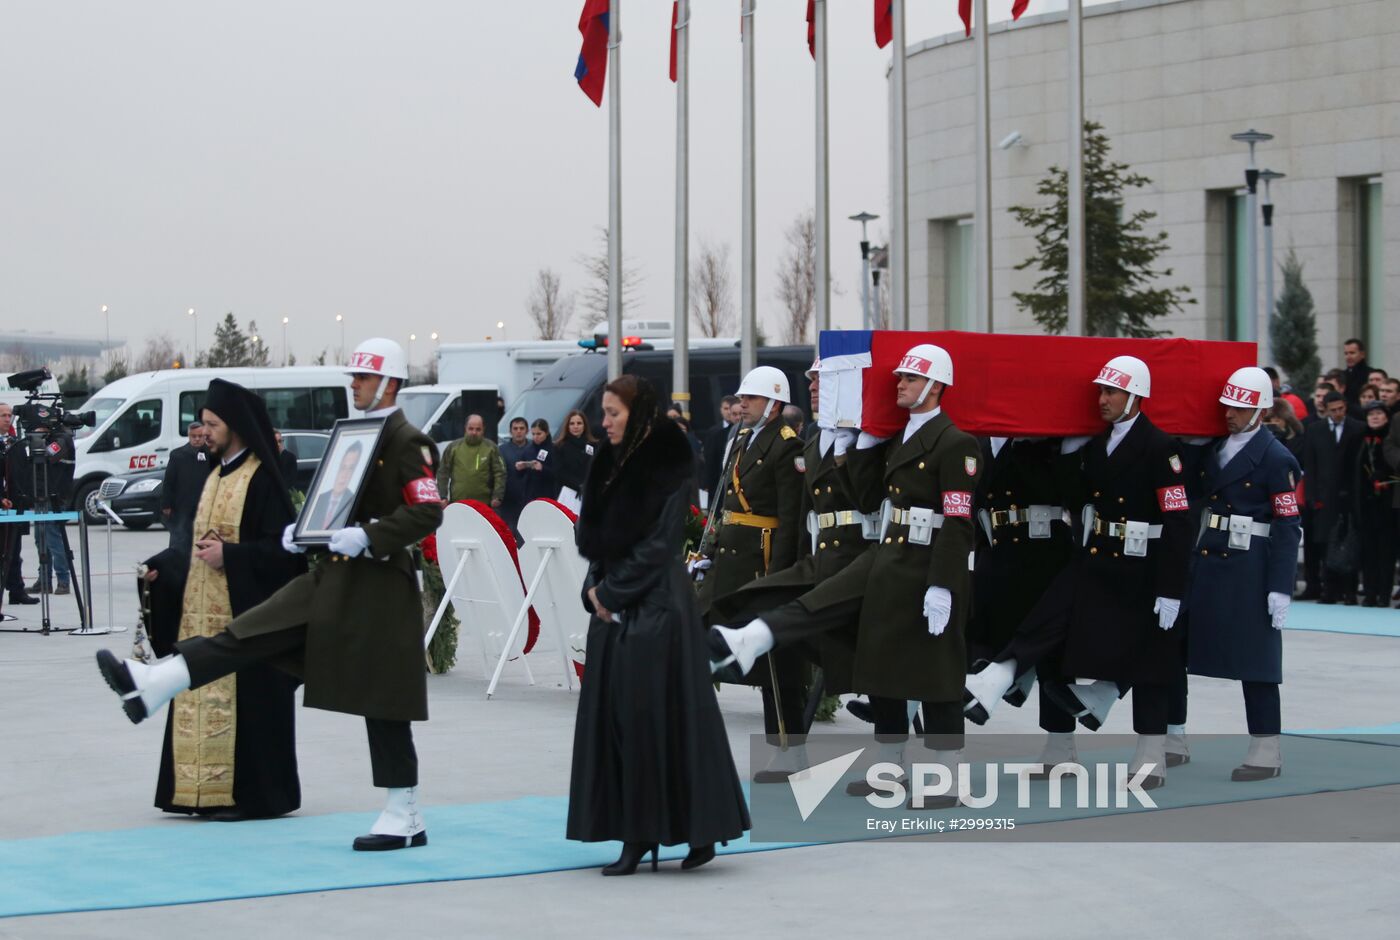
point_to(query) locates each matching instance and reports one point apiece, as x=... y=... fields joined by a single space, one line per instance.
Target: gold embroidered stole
x=205 y=722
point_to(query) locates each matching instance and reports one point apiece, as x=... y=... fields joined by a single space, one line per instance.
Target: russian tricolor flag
x=592 y=70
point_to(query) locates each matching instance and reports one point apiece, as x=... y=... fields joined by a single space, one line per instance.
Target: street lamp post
x=501 y=325
x=411 y=338
x=107 y=328
x=194 y=356
x=1268 y=176
x=285 y=357
x=340 y=318
x=1251 y=181
x=864 y=218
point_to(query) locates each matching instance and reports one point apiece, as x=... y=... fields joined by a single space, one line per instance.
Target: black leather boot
x=632 y=853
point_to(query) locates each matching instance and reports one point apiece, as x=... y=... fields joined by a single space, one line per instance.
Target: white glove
x=1278 y=608
x=288 y=545
x=868 y=441
x=1166 y=610
x=1071 y=444
x=699 y=564
x=349 y=542
x=845 y=437
x=938 y=608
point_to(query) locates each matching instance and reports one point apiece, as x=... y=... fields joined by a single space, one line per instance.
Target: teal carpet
x=1338 y=618
x=160 y=865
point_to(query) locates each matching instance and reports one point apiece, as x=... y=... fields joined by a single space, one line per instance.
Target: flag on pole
x=1018 y=7
x=812 y=27
x=965 y=11
x=592 y=69
x=884 y=22
x=675 y=13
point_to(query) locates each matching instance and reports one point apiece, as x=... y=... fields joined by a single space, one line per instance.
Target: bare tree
x=797 y=279
x=595 y=295
x=159 y=353
x=711 y=290
x=550 y=309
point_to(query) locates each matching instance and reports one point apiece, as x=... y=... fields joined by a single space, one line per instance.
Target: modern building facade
x=1170 y=81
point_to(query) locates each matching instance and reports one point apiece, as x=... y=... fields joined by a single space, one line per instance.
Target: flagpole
x=899 y=179
x=1074 y=314
x=680 y=369
x=982 y=212
x=823 y=204
x=614 y=189
x=748 y=297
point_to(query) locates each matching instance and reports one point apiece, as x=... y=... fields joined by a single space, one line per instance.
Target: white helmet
x=1128 y=373
x=930 y=361
x=1249 y=387
x=815 y=369
x=767 y=382
x=379 y=356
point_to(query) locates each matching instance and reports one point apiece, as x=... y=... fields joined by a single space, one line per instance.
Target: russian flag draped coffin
x=1026 y=386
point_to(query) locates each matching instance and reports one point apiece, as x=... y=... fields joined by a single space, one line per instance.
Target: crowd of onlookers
x=1345 y=437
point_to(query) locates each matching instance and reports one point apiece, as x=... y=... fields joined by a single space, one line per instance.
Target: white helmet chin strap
x=923 y=396
x=1254 y=421
x=378 y=394
x=1125 y=416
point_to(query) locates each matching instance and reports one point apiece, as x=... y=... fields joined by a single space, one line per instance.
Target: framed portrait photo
x=335 y=490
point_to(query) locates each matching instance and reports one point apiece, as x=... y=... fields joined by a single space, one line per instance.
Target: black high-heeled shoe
x=699 y=855
x=632 y=853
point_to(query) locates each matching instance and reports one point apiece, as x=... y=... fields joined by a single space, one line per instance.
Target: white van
x=141 y=418
x=440 y=411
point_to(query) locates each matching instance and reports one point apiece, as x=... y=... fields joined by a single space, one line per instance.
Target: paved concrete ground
x=71 y=762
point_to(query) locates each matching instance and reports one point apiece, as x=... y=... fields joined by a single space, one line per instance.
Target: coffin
x=1008 y=385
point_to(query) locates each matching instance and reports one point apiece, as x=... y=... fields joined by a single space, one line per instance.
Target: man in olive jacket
x=908 y=600
x=758 y=517
x=353 y=627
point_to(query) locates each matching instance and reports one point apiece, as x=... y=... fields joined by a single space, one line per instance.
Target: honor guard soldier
x=1028 y=543
x=835 y=534
x=353 y=627
x=1244 y=568
x=755 y=528
x=1108 y=617
x=908 y=598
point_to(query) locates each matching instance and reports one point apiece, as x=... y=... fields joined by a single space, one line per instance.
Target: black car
x=136 y=496
x=576 y=382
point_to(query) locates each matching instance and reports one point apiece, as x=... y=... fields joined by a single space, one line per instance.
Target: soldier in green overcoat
x=909 y=597
x=755 y=531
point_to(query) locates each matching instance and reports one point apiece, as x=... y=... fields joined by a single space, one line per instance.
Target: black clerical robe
x=265 y=781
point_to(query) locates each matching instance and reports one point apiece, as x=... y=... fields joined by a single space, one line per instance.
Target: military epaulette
x=787 y=433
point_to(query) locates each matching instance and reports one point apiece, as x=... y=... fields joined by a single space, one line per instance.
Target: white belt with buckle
x=921 y=522
x=1240 y=528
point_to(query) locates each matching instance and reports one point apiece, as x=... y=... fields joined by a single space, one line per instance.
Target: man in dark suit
x=1331 y=449
x=182 y=485
x=718 y=441
x=1358 y=371
x=331 y=507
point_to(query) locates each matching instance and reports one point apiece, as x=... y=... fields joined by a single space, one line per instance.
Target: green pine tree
x=258 y=354
x=1293 y=328
x=1120 y=260
x=230 y=348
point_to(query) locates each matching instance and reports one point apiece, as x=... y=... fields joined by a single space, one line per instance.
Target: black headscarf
x=246 y=415
x=642 y=415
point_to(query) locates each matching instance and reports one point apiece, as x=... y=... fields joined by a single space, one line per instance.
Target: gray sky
x=409 y=165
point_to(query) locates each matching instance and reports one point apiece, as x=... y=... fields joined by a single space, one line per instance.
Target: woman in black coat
x=651 y=759
x=1373 y=518
x=573 y=452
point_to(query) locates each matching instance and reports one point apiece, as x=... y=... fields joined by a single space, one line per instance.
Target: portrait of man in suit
x=330 y=507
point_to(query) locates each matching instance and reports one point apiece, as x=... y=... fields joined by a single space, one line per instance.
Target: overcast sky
x=409 y=165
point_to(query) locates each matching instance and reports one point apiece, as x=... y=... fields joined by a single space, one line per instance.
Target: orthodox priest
x=230 y=746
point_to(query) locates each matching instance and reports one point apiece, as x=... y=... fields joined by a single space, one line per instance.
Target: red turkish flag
x=965 y=11
x=884 y=23
x=675 y=11
x=1018 y=7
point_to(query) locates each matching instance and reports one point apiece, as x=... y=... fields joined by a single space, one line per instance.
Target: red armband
x=957 y=504
x=422 y=490
x=1286 y=504
x=1172 y=498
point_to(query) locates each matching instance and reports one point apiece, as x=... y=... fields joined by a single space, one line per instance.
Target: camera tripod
x=43 y=506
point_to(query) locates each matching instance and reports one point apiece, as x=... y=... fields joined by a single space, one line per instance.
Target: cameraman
x=12 y=535
x=47 y=453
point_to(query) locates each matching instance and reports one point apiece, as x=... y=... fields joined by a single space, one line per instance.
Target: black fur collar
x=619 y=509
